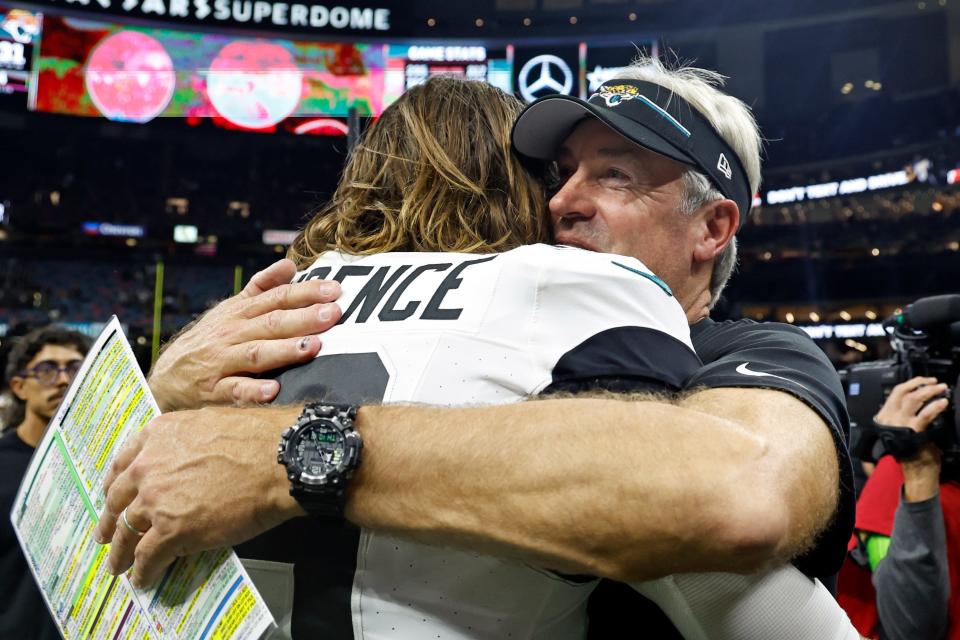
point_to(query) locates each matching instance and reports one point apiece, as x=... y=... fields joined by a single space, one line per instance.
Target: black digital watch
x=320 y=453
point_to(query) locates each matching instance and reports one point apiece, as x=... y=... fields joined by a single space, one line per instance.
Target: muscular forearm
x=629 y=489
x=624 y=489
x=913 y=587
x=801 y=464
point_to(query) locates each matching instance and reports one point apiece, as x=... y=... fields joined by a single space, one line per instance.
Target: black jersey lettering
x=390 y=313
x=320 y=273
x=452 y=281
x=349 y=270
x=372 y=292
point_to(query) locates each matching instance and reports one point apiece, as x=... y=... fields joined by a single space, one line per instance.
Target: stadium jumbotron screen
x=136 y=74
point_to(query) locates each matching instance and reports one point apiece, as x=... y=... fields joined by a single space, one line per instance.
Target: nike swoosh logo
x=747 y=372
x=744 y=370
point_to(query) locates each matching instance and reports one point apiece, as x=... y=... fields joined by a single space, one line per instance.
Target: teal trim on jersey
x=649 y=276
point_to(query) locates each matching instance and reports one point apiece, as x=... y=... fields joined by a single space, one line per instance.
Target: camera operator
x=908 y=516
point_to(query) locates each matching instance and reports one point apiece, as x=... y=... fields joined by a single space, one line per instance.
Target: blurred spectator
x=904 y=560
x=39 y=370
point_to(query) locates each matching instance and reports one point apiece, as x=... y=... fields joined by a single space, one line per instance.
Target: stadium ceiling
x=555 y=15
x=482 y=19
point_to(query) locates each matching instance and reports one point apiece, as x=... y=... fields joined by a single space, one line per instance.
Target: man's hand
x=909 y=405
x=268 y=325
x=192 y=481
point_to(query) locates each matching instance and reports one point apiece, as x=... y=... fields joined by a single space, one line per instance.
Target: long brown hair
x=434 y=173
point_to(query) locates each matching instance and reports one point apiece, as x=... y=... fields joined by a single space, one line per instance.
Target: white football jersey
x=458 y=329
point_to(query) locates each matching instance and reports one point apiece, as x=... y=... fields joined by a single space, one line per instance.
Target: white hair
x=731 y=118
x=697 y=191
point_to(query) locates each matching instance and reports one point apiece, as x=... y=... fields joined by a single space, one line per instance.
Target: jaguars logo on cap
x=614 y=94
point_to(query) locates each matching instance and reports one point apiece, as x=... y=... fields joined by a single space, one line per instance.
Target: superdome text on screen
x=280 y=14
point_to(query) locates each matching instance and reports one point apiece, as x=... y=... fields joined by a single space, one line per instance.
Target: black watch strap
x=324 y=505
x=324 y=501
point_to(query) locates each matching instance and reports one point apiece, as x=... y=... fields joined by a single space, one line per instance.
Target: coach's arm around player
x=722 y=480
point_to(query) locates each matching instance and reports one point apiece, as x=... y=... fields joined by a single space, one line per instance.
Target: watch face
x=318 y=448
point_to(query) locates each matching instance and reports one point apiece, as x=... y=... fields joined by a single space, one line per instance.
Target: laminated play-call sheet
x=204 y=596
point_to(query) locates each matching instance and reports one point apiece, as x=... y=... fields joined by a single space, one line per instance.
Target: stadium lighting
x=239 y=207
x=431 y=22
x=278 y=236
x=527 y=22
x=874 y=252
x=179 y=206
x=632 y=17
x=185 y=233
x=573 y=19
x=789 y=317
x=853 y=344
x=846 y=315
x=871 y=314
x=478 y=22
x=814 y=316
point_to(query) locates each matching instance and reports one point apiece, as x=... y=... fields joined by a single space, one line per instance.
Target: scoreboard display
x=410 y=65
x=19 y=30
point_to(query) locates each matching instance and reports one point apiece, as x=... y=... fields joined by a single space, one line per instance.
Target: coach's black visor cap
x=647 y=114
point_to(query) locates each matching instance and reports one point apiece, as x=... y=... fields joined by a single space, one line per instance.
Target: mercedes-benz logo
x=546 y=80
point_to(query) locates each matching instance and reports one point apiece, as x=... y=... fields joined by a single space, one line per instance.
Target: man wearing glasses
x=40 y=368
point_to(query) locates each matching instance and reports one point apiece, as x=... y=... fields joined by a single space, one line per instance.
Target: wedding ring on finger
x=126 y=523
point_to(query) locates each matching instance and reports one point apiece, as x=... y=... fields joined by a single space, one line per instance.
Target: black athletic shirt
x=23 y=615
x=744 y=353
x=769 y=355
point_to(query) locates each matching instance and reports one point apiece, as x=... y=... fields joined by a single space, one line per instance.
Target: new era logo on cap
x=724 y=166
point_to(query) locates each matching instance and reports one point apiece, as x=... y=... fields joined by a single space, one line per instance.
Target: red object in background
x=61 y=88
x=254 y=84
x=63 y=41
x=346 y=60
x=130 y=77
x=63 y=92
x=321 y=127
x=876 y=509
